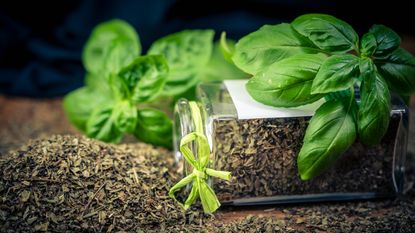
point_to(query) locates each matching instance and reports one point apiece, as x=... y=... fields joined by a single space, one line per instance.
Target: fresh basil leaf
x=143 y=79
x=375 y=106
x=226 y=47
x=178 y=87
x=111 y=46
x=327 y=32
x=287 y=83
x=186 y=52
x=154 y=127
x=368 y=45
x=125 y=116
x=99 y=83
x=269 y=44
x=80 y=103
x=331 y=131
x=336 y=73
x=387 y=40
x=101 y=124
x=218 y=68
x=398 y=70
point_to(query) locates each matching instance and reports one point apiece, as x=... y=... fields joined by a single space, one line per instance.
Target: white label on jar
x=248 y=108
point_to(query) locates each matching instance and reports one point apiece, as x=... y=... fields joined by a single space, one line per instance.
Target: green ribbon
x=200 y=173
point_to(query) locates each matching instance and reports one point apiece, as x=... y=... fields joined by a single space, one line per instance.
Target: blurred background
x=41 y=41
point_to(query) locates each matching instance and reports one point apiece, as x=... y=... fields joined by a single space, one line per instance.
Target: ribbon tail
x=186 y=152
x=182 y=183
x=219 y=174
x=208 y=198
x=192 y=197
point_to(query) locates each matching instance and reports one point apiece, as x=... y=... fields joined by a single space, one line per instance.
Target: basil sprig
x=318 y=56
x=118 y=81
x=121 y=84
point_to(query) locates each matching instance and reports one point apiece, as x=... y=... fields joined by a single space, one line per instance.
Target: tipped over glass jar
x=259 y=144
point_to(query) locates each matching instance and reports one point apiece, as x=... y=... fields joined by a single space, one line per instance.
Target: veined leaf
x=327 y=32
x=154 y=126
x=368 y=45
x=101 y=124
x=80 y=103
x=336 y=73
x=111 y=46
x=287 y=83
x=125 y=116
x=332 y=130
x=270 y=44
x=398 y=70
x=386 y=40
x=375 y=106
x=144 y=78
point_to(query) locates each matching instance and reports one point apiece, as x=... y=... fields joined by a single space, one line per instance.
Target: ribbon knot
x=199 y=174
x=198 y=177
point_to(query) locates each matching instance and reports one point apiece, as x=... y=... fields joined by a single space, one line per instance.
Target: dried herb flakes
x=262 y=155
x=67 y=183
x=74 y=184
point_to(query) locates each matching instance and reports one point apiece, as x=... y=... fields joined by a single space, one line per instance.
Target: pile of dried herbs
x=252 y=224
x=68 y=183
x=74 y=184
x=381 y=216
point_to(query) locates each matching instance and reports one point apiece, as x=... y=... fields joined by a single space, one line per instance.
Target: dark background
x=41 y=42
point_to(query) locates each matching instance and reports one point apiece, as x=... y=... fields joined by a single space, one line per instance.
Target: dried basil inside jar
x=259 y=145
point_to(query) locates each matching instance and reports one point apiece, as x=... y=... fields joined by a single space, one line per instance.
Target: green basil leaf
x=387 y=40
x=226 y=47
x=80 y=103
x=99 y=83
x=327 y=32
x=186 y=52
x=336 y=73
x=375 y=106
x=125 y=116
x=398 y=70
x=143 y=79
x=269 y=44
x=178 y=87
x=111 y=46
x=287 y=83
x=332 y=130
x=154 y=127
x=101 y=124
x=368 y=45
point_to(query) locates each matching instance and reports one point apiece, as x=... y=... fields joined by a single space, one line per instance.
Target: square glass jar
x=259 y=144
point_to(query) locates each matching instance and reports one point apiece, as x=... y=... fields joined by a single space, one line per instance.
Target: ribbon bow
x=200 y=173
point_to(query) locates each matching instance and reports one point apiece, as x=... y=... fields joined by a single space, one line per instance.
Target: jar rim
x=183 y=124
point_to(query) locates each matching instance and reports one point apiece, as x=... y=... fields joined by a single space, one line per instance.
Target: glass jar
x=259 y=145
